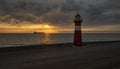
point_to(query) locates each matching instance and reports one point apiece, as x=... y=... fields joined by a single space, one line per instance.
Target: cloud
x=60 y=12
x=24 y=9
x=95 y=12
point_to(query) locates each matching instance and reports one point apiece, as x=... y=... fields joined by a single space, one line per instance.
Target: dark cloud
x=61 y=12
x=23 y=10
x=95 y=13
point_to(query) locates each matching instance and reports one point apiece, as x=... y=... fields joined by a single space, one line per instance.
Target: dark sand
x=95 y=55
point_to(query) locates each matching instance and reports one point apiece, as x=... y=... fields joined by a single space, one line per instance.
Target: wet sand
x=92 y=55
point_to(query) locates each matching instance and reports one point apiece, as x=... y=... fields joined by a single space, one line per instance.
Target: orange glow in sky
x=48 y=28
x=30 y=28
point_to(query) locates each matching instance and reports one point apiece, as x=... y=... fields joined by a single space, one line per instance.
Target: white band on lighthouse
x=77 y=28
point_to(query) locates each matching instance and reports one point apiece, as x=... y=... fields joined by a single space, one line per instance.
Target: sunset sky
x=56 y=16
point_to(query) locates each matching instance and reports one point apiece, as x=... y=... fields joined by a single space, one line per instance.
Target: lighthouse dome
x=78 y=15
x=78 y=18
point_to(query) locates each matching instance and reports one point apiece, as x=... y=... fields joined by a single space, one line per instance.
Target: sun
x=47 y=26
x=48 y=29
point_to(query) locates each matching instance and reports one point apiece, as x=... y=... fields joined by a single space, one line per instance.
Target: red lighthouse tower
x=77 y=32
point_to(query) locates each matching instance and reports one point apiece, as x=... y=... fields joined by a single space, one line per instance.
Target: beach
x=92 y=55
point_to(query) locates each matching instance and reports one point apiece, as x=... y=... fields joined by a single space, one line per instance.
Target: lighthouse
x=77 y=33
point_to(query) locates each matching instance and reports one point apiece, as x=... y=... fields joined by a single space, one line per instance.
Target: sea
x=23 y=39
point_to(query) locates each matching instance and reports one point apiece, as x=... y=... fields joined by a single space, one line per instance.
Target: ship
x=38 y=32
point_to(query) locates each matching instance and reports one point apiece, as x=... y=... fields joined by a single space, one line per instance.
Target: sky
x=26 y=16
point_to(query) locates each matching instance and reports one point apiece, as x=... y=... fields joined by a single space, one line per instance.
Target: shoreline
x=92 y=55
x=45 y=46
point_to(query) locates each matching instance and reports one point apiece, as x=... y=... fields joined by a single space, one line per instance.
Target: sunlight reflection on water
x=35 y=39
